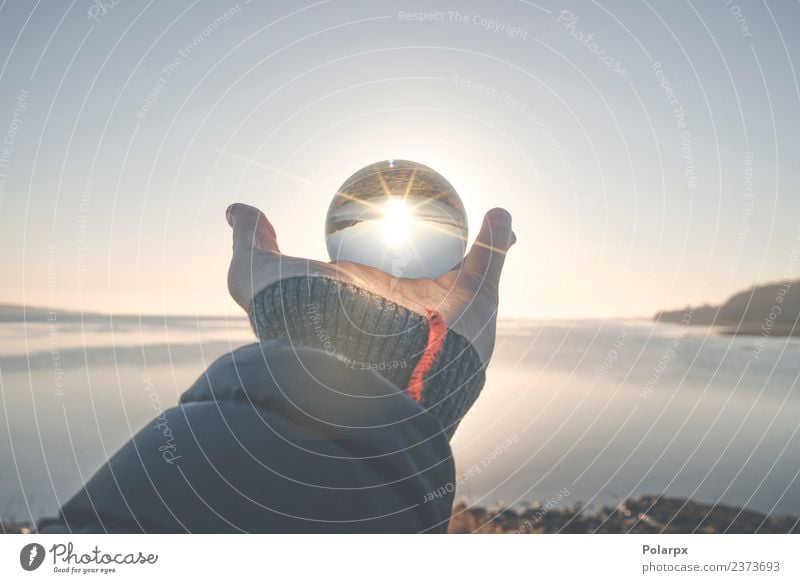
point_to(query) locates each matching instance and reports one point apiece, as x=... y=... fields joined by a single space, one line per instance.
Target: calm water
x=601 y=410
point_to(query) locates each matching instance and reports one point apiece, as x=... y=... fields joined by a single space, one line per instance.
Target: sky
x=647 y=150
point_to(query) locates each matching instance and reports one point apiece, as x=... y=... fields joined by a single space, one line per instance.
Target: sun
x=396 y=222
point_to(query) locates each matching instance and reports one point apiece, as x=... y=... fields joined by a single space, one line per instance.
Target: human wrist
x=362 y=329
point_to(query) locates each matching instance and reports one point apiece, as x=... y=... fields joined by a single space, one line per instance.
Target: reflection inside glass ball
x=399 y=216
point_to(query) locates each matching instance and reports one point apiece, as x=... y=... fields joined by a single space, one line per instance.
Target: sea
x=577 y=413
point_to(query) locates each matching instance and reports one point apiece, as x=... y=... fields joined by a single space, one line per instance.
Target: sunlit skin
x=467 y=296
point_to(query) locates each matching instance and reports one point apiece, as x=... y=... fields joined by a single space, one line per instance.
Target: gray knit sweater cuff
x=364 y=330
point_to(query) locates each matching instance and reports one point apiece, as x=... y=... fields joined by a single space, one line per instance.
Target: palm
x=467 y=296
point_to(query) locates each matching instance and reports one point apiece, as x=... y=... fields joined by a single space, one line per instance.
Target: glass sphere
x=399 y=216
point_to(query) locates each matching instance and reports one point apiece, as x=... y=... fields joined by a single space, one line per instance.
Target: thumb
x=251 y=229
x=489 y=250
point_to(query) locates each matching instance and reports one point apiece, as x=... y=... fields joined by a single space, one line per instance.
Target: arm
x=365 y=316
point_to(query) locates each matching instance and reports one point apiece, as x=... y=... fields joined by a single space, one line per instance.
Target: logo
x=31 y=556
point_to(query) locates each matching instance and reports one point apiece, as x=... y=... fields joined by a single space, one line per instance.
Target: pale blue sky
x=112 y=195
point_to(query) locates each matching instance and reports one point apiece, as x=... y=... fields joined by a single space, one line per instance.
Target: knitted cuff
x=367 y=331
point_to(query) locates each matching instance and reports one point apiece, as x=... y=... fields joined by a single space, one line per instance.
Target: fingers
x=251 y=229
x=493 y=242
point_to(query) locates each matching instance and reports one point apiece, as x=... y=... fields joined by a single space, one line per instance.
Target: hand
x=466 y=296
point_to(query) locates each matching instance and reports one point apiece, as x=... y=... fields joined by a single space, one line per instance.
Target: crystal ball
x=399 y=216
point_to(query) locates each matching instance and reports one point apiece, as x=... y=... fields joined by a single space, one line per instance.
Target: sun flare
x=396 y=222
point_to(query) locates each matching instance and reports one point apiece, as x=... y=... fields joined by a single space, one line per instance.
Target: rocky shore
x=645 y=514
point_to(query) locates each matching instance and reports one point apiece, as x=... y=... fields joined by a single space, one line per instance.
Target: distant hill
x=33 y=314
x=17 y=313
x=771 y=309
